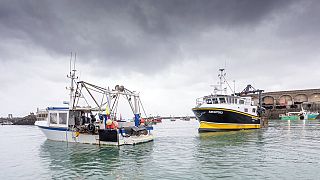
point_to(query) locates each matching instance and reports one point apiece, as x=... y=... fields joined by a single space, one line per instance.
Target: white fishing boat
x=95 y=124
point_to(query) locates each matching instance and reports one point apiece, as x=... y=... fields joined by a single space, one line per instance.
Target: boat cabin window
x=215 y=101
x=241 y=101
x=53 y=118
x=209 y=101
x=236 y=101
x=254 y=110
x=245 y=109
x=232 y=100
x=222 y=100
x=62 y=118
x=42 y=115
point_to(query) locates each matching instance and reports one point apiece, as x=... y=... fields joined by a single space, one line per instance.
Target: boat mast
x=222 y=80
x=136 y=109
x=72 y=76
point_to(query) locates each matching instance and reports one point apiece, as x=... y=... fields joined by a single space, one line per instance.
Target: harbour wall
x=280 y=102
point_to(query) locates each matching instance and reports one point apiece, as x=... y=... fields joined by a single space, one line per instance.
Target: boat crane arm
x=142 y=107
x=113 y=95
x=249 y=90
x=130 y=102
x=91 y=95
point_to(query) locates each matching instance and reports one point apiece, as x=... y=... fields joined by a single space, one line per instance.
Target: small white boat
x=172 y=119
x=94 y=124
x=187 y=118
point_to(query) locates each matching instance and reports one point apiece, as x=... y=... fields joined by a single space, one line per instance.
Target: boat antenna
x=70 y=64
x=75 y=59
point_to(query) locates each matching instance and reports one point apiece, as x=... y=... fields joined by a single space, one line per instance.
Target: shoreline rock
x=27 y=120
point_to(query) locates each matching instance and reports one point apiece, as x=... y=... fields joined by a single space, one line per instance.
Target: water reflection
x=180 y=152
x=228 y=138
x=82 y=161
x=218 y=151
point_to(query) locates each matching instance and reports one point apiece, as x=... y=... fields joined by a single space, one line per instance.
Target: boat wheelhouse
x=42 y=114
x=221 y=112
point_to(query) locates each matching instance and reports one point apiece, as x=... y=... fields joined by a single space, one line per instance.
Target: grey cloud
x=167 y=46
x=301 y=22
x=143 y=35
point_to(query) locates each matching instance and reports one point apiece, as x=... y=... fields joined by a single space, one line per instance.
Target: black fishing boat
x=222 y=112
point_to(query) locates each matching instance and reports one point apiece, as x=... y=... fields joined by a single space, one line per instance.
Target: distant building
x=289 y=99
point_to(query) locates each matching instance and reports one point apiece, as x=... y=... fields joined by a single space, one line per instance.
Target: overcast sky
x=170 y=51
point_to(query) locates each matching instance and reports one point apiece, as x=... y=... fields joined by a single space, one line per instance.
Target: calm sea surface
x=285 y=150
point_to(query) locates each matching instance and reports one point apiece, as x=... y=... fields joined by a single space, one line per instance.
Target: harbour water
x=285 y=150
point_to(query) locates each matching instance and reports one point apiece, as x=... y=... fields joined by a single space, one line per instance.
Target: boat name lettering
x=216 y=112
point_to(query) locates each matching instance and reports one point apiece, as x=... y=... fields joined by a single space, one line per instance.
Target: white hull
x=57 y=134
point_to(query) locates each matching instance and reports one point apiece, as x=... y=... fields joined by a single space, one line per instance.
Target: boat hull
x=289 y=118
x=221 y=119
x=214 y=127
x=63 y=134
x=312 y=116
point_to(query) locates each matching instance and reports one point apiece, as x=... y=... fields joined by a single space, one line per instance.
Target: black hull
x=221 y=119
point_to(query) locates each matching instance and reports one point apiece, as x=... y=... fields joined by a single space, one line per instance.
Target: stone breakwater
x=27 y=120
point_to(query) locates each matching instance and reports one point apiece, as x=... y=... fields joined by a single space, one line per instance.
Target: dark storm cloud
x=202 y=14
x=126 y=33
x=164 y=48
x=304 y=23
